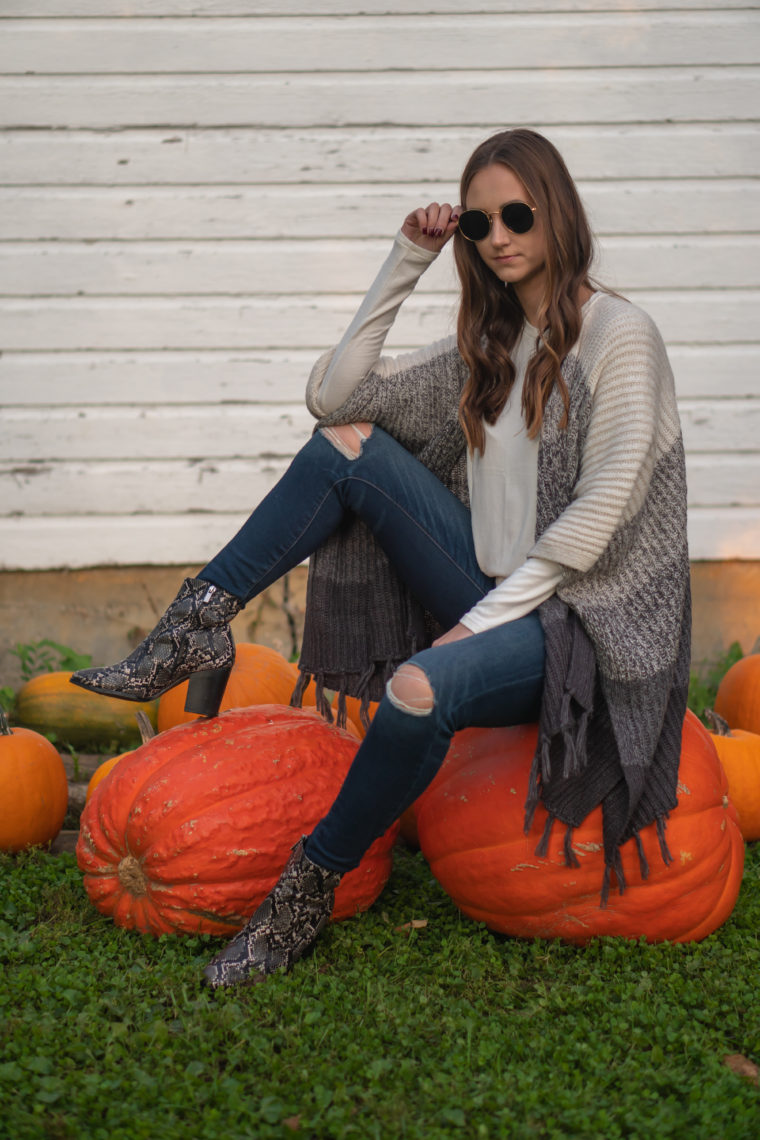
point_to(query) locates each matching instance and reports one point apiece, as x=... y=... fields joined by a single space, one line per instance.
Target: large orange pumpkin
x=34 y=790
x=738 y=697
x=189 y=833
x=739 y=753
x=470 y=825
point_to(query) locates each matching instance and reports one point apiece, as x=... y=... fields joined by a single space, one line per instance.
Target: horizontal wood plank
x=465 y=40
x=105 y=323
x=718 y=533
x=646 y=207
x=612 y=95
x=231 y=8
x=158 y=540
x=114 y=540
x=171 y=486
x=126 y=487
x=251 y=430
x=279 y=376
x=724 y=480
x=159 y=155
x=232 y=268
x=72 y=378
x=721 y=425
x=172 y=433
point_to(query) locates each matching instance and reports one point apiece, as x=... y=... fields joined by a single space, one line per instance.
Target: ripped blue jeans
x=491 y=678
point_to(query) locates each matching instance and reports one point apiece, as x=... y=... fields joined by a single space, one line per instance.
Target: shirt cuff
x=519 y=594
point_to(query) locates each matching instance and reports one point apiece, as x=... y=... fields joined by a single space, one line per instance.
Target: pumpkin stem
x=5 y=728
x=147 y=731
x=131 y=876
x=718 y=725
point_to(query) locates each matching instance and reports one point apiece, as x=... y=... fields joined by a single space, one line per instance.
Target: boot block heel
x=205 y=691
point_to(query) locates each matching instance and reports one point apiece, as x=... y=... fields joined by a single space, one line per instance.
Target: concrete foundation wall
x=106 y=612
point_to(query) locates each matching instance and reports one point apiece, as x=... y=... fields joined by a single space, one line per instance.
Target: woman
x=561 y=595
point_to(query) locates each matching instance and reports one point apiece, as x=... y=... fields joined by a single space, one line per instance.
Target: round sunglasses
x=516 y=216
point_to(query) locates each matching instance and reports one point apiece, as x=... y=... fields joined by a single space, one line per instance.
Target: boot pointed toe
x=192 y=637
x=284 y=927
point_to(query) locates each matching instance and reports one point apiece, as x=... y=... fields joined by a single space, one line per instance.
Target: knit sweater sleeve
x=633 y=420
x=338 y=373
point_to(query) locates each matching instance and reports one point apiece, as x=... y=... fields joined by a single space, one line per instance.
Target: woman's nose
x=499 y=234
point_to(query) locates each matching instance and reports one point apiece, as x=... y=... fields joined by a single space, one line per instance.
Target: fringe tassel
x=342 y=708
x=364 y=711
x=302 y=684
x=643 y=863
x=531 y=802
x=614 y=864
x=546 y=759
x=323 y=705
x=362 y=692
x=571 y=859
x=543 y=843
x=570 y=763
x=617 y=862
x=667 y=858
x=581 y=738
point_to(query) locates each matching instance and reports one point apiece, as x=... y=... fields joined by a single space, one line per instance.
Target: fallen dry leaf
x=292 y=1122
x=415 y=924
x=742 y=1066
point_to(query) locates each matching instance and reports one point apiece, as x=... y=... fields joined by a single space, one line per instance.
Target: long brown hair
x=490 y=315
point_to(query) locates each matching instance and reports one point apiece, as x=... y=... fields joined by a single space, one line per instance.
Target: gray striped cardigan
x=611 y=508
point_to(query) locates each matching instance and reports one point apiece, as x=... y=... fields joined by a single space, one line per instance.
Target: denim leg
x=491 y=678
x=424 y=529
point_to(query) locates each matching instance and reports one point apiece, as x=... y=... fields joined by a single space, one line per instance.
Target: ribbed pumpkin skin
x=470 y=824
x=49 y=703
x=34 y=790
x=189 y=833
x=738 y=696
x=740 y=756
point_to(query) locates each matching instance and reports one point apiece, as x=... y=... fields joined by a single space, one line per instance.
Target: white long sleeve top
x=502 y=481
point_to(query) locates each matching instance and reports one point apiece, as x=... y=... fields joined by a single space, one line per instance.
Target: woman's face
x=516 y=259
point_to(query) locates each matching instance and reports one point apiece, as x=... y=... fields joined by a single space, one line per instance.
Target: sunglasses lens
x=474 y=224
x=517 y=217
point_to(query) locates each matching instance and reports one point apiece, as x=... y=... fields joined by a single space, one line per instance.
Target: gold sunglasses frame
x=495 y=214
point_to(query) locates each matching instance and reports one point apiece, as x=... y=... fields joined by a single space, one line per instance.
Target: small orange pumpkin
x=738 y=696
x=101 y=771
x=470 y=823
x=34 y=789
x=190 y=832
x=739 y=753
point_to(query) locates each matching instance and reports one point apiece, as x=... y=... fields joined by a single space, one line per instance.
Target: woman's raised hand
x=431 y=227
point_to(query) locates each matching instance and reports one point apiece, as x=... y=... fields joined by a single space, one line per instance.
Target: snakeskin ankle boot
x=193 y=639
x=283 y=928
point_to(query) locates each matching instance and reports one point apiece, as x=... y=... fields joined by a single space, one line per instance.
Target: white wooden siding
x=196 y=193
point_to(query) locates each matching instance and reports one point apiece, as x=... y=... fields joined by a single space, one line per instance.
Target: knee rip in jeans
x=410 y=691
x=348 y=438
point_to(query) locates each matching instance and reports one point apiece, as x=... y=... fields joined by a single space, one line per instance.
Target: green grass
x=449 y=1031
